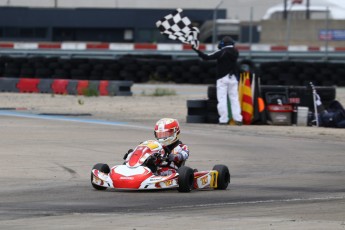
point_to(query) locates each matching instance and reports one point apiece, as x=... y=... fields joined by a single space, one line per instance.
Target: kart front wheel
x=223 y=179
x=185 y=179
x=104 y=168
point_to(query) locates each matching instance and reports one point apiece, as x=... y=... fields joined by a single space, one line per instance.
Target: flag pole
x=214 y=34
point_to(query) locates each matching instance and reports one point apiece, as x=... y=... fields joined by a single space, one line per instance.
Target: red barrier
x=103 y=88
x=97 y=46
x=59 y=86
x=49 y=46
x=82 y=85
x=28 y=85
x=6 y=45
x=279 y=48
x=146 y=46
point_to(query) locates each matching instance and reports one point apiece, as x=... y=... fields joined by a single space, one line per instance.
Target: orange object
x=261 y=104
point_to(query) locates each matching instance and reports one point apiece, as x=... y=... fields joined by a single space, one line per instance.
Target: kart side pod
x=217 y=178
x=205 y=179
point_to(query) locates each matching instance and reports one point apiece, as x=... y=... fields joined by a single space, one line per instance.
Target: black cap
x=226 y=41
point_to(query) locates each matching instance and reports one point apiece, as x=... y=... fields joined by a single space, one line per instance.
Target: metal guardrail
x=255 y=56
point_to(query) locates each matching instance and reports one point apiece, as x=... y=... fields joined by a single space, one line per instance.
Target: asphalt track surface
x=277 y=181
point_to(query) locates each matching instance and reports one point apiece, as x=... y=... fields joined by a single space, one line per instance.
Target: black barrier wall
x=140 y=69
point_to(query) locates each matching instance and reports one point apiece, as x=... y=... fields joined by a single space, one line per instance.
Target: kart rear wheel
x=104 y=168
x=223 y=176
x=185 y=179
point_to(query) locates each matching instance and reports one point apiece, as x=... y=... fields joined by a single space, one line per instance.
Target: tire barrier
x=45 y=86
x=28 y=85
x=71 y=87
x=64 y=86
x=143 y=68
x=59 y=86
x=8 y=85
x=203 y=111
x=212 y=112
x=103 y=88
x=301 y=73
x=212 y=116
x=119 y=88
x=212 y=92
x=196 y=111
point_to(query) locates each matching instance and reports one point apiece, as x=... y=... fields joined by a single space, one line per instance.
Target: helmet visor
x=164 y=134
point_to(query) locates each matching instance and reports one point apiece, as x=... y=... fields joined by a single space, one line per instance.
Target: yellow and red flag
x=246 y=98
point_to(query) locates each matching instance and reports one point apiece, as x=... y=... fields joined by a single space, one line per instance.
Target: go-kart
x=141 y=172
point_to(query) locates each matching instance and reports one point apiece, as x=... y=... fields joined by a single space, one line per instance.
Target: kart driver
x=167 y=133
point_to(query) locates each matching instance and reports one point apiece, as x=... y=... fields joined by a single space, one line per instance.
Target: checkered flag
x=180 y=28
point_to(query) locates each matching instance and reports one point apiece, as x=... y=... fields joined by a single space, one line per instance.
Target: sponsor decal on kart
x=168 y=183
x=204 y=180
x=126 y=178
x=97 y=181
x=156 y=179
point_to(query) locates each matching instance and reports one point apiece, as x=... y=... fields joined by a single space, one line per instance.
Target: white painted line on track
x=259 y=202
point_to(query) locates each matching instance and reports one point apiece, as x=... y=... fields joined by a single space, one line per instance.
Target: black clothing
x=168 y=150
x=226 y=60
x=170 y=147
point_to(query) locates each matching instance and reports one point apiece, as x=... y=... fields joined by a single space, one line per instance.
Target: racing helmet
x=226 y=41
x=167 y=131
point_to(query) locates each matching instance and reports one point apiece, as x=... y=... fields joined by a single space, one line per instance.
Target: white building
x=317 y=8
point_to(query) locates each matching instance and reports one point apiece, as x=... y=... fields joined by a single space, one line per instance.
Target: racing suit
x=177 y=154
x=227 y=83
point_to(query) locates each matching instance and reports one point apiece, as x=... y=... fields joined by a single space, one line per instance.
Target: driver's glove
x=178 y=154
x=174 y=157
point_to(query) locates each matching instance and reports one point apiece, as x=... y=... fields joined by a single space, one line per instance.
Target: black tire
x=185 y=179
x=143 y=76
x=196 y=103
x=212 y=118
x=211 y=106
x=27 y=72
x=212 y=92
x=194 y=69
x=53 y=65
x=177 y=69
x=43 y=73
x=194 y=80
x=196 y=107
x=267 y=76
x=285 y=76
x=133 y=67
x=294 y=70
x=8 y=72
x=102 y=168
x=196 y=119
x=223 y=179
